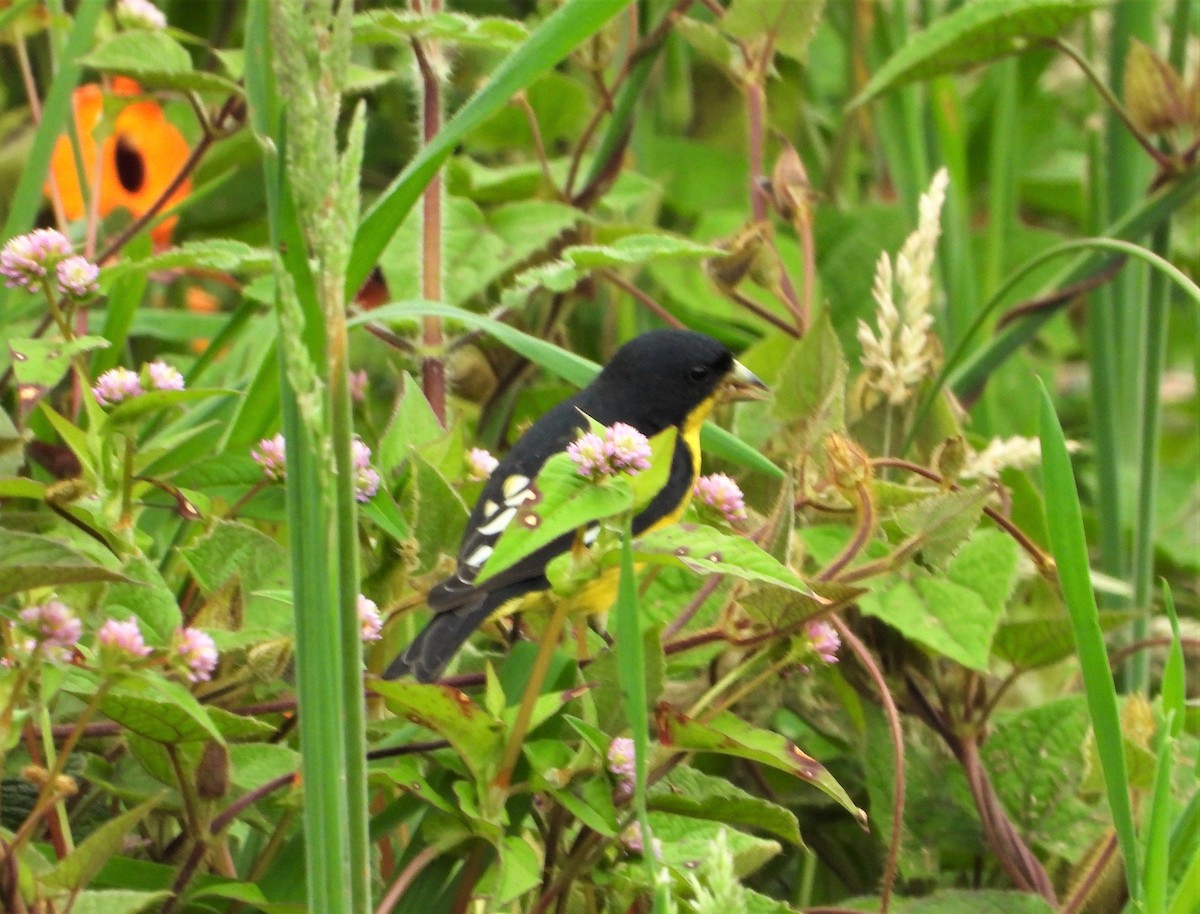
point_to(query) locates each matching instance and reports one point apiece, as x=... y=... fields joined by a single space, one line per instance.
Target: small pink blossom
x=26 y=259
x=480 y=464
x=358 y=385
x=366 y=479
x=824 y=640
x=54 y=626
x=621 y=760
x=589 y=454
x=635 y=843
x=272 y=457
x=140 y=14
x=115 y=385
x=77 y=276
x=123 y=637
x=163 y=376
x=628 y=449
x=720 y=492
x=198 y=652
x=370 y=619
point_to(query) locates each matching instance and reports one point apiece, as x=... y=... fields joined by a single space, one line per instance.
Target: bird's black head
x=668 y=373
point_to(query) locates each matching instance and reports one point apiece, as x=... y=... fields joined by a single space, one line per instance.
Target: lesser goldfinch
x=659 y=380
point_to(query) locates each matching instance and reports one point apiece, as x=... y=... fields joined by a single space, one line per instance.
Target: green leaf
x=688 y=792
x=811 y=390
x=943 y=521
x=157 y=61
x=974 y=33
x=224 y=255
x=517 y=870
x=80 y=866
x=1042 y=640
x=411 y=425
x=252 y=765
x=12 y=447
x=395 y=27
x=687 y=844
x=477 y=736
x=707 y=550
x=790 y=24
x=28 y=562
x=116 y=901
x=158 y=709
x=43 y=363
x=235 y=550
x=438 y=514
x=727 y=734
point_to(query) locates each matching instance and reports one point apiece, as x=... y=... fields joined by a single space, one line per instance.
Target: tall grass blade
x=1068 y=544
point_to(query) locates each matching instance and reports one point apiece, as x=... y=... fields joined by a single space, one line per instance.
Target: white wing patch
x=514 y=484
x=498 y=522
x=478 y=557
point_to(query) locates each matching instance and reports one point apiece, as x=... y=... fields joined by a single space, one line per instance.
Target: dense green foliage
x=920 y=648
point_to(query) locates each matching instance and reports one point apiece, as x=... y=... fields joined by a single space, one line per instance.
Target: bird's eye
x=699 y=372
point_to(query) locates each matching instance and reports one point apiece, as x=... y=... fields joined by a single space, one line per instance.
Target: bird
x=661 y=379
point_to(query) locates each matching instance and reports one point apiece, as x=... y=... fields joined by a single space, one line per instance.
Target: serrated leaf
x=566 y=501
x=974 y=33
x=224 y=255
x=708 y=550
x=687 y=844
x=236 y=550
x=438 y=513
x=253 y=764
x=80 y=866
x=977 y=901
x=158 y=709
x=728 y=734
x=413 y=423
x=477 y=736
x=28 y=562
x=516 y=871
x=942 y=521
x=146 y=595
x=43 y=363
x=156 y=60
x=688 y=792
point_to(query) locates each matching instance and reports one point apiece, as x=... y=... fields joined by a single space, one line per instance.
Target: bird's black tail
x=440 y=640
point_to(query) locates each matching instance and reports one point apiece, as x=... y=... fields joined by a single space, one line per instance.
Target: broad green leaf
x=727 y=734
x=789 y=24
x=28 y=562
x=116 y=901
x=438 y=515
x=517 y=870
x=475 y=735
x=236 y=550
x=709 y=551
x=1042 y=640
x=12 y=447
x=688 y=792
x=395 y=27
x=686 y=844
x=253 y=764
x=80 y=866
x=411 y=425
x=43 y=362
x=158 y=709
x=566 y=501
x=975 y=33
x=157 y=61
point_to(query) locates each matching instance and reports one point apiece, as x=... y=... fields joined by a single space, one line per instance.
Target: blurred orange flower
x=138 y=160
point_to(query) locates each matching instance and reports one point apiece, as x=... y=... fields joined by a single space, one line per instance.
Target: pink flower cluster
x=622 y=449
x=366 y=478
x=26 y=262
x=119 y=384
x=55 y=629
x=197 y=652
x=369 y=619
x=823 y=640
x=271 y=455
x=720 y=492
x=480 y=464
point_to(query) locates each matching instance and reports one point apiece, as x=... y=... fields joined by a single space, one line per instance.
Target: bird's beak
x=741 y=384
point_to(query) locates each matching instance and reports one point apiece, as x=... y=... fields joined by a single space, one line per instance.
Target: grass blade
x=1068 y=544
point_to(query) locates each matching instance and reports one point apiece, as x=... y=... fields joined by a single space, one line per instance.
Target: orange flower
x=138 y=159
